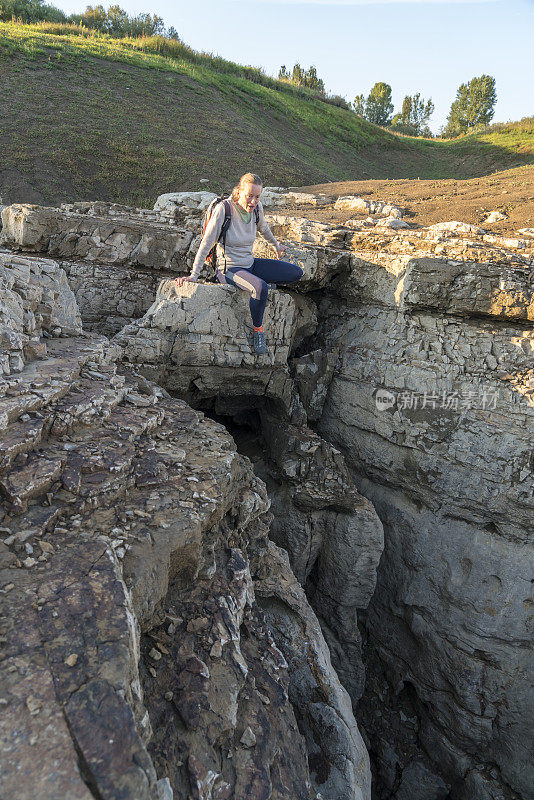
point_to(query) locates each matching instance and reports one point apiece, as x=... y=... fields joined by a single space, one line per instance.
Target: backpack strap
x=257 y=215
x=225 y=226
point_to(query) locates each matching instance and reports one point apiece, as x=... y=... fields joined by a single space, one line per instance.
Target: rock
x=390 y=210
x=434 y=465
x=196 y=339
x=324 y=708
x=313 y=373
x=306 y=199
x=351 y=203
x=106 y=239
x=273 y=197
x=320 y=266
x=143 y=512
x=495 y=216
x=458 y=227
x=163 y=786
x=526 y=231
x=418 y=781
x=248 y=738
x=172 y=201
x=392 y=222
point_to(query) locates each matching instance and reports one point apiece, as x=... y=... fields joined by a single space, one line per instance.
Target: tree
x=94 y=17
x=413 y=119
x=378 y=106
x=172 y=33
x=283 y=74
x=30 y=11
x=359 y=105
x=474 y=105
x=302 y=77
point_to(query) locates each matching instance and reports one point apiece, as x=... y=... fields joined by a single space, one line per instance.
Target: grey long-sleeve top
x=239 y=239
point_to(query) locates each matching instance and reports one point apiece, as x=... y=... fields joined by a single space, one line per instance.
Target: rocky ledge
x=155 y=643
x=405 y=510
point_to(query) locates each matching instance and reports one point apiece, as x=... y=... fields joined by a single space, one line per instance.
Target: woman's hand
x=183 y=278
x=280 y=249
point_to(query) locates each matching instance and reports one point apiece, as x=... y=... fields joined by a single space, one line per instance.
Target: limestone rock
x=495 y=216
x=319 y=264
x=350 y=203
x=107 y=239
x=307 y=199
x=392 y=222
x=110 y=297
x=307 y=232
x=196 y=340
x=273 y=196
x=172 y=201
x=448 y=456
x=313 y=373
x=36 y=298
x=143 y=533
x=324 y=706
x=418 y=781
x=458 y=227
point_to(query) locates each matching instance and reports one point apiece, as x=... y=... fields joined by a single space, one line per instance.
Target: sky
x=426 y=46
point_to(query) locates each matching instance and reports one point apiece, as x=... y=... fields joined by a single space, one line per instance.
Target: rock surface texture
x=407 y=505
x=432 y=405
x=144 y=614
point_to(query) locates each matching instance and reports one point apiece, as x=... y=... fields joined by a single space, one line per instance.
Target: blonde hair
x=248 y=177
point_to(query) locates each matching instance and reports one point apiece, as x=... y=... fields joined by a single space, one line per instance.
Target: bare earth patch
x=426 y=202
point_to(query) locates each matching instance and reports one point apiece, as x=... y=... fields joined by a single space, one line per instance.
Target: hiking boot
x=259 y=342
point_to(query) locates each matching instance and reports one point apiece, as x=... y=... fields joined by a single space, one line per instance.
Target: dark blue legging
x=254 y=280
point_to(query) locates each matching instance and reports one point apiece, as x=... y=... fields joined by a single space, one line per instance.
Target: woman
x=241 y=268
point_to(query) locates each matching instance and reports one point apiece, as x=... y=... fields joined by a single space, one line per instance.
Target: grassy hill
x=84 y=116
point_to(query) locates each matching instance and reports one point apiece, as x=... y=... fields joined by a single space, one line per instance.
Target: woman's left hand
x=280 y=249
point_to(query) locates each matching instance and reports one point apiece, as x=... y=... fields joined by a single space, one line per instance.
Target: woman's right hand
x=183 y=278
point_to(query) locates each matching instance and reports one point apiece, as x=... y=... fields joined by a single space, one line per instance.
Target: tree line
x=113 y=21
x=473 y=106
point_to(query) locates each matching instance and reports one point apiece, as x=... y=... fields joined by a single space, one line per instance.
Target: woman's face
x=249 y=196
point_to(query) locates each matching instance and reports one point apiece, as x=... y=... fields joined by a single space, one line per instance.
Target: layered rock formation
x=410 y=353
x=155 y=643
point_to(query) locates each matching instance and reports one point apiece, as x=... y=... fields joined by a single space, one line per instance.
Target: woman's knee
x=263 y=291
x=294 y=273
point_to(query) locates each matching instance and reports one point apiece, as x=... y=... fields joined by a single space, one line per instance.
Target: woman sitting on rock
x=241 y=268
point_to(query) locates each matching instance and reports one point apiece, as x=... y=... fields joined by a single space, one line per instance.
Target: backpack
x=211 y=258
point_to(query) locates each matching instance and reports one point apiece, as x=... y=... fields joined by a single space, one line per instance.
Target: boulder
x=197 y=340
x=307 y=199
x=350 y=203
x=320 y=265
x=392 y=222
x=172 y=201
x=457 y=227
x=495 y=216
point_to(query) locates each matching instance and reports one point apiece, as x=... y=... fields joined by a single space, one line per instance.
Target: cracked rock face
x=143 y=611
x=412 y=358
x=432 y=407
x=196 y=340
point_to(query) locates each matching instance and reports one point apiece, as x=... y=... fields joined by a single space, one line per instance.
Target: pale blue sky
x=430 y=46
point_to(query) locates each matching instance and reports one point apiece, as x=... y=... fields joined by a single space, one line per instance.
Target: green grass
x=87 y=116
